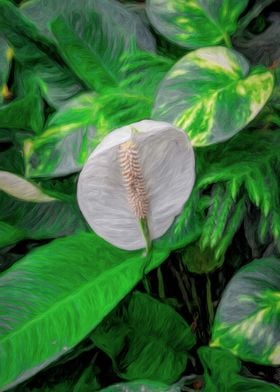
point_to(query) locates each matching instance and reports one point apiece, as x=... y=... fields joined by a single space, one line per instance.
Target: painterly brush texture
x=153 y=124
x=165 y=157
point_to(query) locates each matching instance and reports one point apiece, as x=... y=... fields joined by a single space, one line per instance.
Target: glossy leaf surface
x=66 y=142
x=47 y=313
x=222 y=373
x=212 y=94
x=248 y=317
x=148 y=340
x=195 y=23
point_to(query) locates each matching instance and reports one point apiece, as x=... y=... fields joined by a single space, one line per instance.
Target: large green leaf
x=212 y=94
x=248 y=317
x=97 y=36
x=41 y=220
x=222 y=373
x=66 y=142
x=133 y=99
x=63 y=290
x=33 y=51
x=101 y=57
x=196 y=23
x=42 y=13
x=147 y=339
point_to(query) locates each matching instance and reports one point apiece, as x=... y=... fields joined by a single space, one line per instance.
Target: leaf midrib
x=69 y=298
x=80 y=42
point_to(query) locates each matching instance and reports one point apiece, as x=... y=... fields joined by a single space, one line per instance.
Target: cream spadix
x=143 y=171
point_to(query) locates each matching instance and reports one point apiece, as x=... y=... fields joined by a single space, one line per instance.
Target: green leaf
x=248 y=317
x=99 y=67
x=158 y=350
x=133 y=99
x=10 y=235
x=118 y=15
x=222 y=373
x=33 y=51
x=212 y=94
x=26 y=111
x=187 y=227
x=196 y=23
x=104 y=45
x=200 y=261
x=42 y=220
x=66 y=143
x=239 y=182
x=101 y=35
x=64 y=289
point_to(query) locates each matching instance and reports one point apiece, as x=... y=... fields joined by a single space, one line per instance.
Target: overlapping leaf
x=126 y=20
x=158 y=350
x=33 y=51
x=230 y=190
x=222 y=373
x=196 y=23
x=66 y=142
x=212 y=94
x=39 y=220
x=248 y=317
x=46 y=314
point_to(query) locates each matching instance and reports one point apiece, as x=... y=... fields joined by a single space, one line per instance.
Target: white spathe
x=168 y=166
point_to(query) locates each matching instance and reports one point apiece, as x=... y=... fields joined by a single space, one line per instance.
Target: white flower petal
x=167 y=163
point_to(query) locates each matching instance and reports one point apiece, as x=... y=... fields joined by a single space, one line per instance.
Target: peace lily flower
x=136 y=182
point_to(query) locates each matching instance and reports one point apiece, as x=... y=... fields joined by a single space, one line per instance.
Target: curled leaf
x=20 y=188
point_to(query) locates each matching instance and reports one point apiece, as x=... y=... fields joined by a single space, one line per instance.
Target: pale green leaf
x=212 y=94
x=64 y=289
x=196 y=23
x=248 y=317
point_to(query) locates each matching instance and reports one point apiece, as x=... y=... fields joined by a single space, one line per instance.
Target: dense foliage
x=76 y=313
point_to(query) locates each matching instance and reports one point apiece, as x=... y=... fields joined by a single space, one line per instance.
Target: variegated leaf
x=248 y=317
x=212 y=94
x=196 y=23
x=66 y=142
